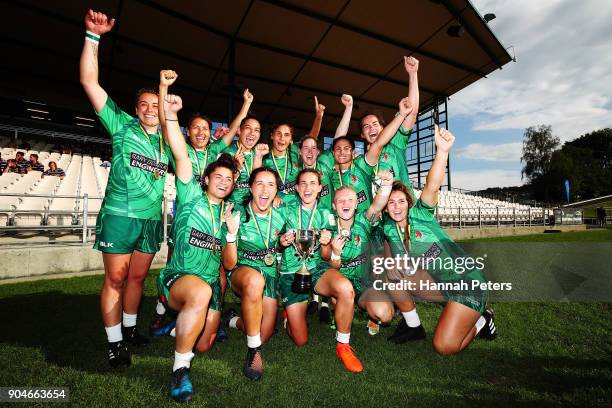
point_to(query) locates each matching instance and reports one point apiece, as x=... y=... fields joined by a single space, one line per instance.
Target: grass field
x=555 y=354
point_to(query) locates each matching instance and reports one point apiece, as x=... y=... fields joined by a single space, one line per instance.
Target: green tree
x=538 y=146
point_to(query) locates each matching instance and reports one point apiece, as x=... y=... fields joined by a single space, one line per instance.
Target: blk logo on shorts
x=106 y=244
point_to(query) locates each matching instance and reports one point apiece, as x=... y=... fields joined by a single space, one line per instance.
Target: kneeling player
x=415 y=232
x=190 y=282
x=348 y=257
x=307 y=215
x=255 y=277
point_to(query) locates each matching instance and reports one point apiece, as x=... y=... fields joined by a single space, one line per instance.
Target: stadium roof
x=284 y=51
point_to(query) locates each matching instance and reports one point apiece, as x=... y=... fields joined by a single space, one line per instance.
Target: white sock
x=412 y=318
x=324 y=304
x=233 y=321
x=480 y=323
x=114 y=333
x=182 y=360
x=129 y=320
x=315 y=298
x=160 y=309
x=254 y=341
x=344 y=338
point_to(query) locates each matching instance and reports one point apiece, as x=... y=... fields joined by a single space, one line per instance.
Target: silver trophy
x=305 y=246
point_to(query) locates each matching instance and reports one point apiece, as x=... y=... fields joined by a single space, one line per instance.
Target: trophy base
x=302 y=283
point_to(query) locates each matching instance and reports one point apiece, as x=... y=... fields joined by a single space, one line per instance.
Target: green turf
x=593 y=235
x=554 y=354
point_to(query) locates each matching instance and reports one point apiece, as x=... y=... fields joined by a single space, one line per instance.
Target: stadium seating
x=85 y=175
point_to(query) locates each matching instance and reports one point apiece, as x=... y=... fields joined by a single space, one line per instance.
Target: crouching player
x=190 y=282
x=415 y=232
x=348 y=256
x=306 y=214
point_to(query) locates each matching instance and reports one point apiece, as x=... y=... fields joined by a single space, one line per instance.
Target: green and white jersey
x=445 y=259
x=359 y=176
x=201 y=158
x=199 y=233
x=319 y=218
x=259 y=236
x=136 y=182
x=286 y=167
x=325 y=165
x=241 y=188
x=393 y=158
x=355 y=257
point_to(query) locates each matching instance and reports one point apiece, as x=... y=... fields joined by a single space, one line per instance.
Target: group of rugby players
x=238 y=205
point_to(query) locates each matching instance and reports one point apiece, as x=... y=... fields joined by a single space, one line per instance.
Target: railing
x=462 y=217
x=79 y=223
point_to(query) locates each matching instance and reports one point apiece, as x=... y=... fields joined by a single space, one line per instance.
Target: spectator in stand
x=12 y=167
x=22 y=162
x=2 y=164
x=54 y=171
x=35 y=165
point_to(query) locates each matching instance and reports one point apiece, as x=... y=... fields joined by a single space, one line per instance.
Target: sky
x=562 y=77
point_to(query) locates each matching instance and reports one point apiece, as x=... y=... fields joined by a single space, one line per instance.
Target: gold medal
x=269 y=259
x=156 y=175
x=345 y=233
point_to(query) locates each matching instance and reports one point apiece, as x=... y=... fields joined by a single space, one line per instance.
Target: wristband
x=230 y=238
x=93 y=37
x=335 y=257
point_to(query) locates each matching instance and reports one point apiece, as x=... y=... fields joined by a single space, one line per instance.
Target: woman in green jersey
x=255 y=277
x=201 y=152
x=304 y=213
x=413 y=231
x=129 y=226
x=349 y=257
x=190 y=282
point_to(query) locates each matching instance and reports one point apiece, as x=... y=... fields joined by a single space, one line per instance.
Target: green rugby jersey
x=325 y=165
x=200 y=159
x=241 y=188
x=199 y=233
x=133 y=190
x=286 y=167
x=429 y=240
x=251 y=241
x=393 y=158
x=359 y=176
x=355 y=257
x=320 y=218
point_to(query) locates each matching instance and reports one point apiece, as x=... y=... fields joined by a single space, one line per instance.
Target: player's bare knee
x=114 y=281
x=253 y=285
x=300 y=340
x=345 y=291
x=205 y=346
x=445 y=346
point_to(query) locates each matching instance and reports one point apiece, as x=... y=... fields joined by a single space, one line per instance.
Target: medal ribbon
x=340 y=174
x=197 y=161
x=283 y=178
x=212 y=215
x=400 y=235
x=310 y=218
x=161 y=148
x=266 y=241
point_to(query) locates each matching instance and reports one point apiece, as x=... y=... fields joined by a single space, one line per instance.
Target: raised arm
x=411 y=65
x=405 y=109
x=316 y=124
x=168 y=118
x=345 y=122
x=380 y=201
x=96 y=24
x=244 y=111
x=435 y=177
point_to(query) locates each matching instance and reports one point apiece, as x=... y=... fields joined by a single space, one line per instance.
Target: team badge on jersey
x=385 y=156
x=418 y=234
x=358 y=240
x=353 y=179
